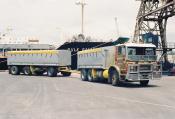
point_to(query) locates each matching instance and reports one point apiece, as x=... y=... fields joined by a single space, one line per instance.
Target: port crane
x=152 y=18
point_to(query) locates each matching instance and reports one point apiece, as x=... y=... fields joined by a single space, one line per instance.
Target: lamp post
x=82 y=3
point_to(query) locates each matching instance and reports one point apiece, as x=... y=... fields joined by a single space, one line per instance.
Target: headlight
x=133 y=68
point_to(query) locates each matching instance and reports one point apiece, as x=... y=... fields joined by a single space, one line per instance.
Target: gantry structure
x=152 y=18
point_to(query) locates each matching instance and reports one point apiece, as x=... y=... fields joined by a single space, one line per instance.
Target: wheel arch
x=110 y=72
x=112 y=68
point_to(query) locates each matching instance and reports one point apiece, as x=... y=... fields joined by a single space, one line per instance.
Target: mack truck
x=38 y=62
x=128 y=62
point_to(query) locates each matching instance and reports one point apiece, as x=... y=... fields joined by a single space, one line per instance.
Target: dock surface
x=41 y=97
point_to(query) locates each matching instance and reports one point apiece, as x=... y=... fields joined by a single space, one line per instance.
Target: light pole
x=82 y=3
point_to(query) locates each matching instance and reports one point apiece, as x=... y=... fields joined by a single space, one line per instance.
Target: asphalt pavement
x=41 y=97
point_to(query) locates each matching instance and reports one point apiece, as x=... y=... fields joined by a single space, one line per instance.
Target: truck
x=38 y=62
x=128 y=62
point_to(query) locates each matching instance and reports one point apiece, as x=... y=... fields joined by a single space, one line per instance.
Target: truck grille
x=145 y=67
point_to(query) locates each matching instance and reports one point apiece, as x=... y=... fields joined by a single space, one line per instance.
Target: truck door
x=120 y=59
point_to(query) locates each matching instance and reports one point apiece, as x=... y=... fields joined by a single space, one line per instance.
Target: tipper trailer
x=39 y=61
x=129 y=62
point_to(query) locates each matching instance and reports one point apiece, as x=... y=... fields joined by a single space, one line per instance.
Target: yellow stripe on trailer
x=90 y=51
x=34 y=52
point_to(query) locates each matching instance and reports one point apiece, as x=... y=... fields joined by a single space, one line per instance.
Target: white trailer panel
x=96 y=58
x=40 y=58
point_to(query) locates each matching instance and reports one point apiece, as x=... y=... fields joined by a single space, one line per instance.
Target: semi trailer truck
x=39 y=61
x=129 y=62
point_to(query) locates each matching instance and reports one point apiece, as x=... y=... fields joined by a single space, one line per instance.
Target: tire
x=14 y=70
x=115 y=78
x=144 y=83
x=52 y=72
x=84 y=75
x=89 y=76
x=66 y=73
x=27 y=71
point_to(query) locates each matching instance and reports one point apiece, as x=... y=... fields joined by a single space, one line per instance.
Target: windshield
x=141 y=53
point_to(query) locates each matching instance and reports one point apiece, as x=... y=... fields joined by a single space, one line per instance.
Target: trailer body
x=124 y=62
x=97 y=58
x=39 y=61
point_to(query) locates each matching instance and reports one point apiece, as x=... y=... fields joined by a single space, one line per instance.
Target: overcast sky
x=53 y=21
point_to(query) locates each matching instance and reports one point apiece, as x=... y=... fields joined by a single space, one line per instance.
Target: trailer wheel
x=52 y=72
x=27 y=71
x=115 y=78
x=144 y=83
x=14 y=70
x=89 y=75
x=84 y=75
x=66 y=73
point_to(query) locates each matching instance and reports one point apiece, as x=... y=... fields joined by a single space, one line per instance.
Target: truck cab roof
x=137 y=45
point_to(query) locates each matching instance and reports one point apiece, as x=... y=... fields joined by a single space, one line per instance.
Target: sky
x=53 y=21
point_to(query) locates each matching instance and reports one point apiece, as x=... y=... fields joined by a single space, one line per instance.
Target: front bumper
x=150 y=74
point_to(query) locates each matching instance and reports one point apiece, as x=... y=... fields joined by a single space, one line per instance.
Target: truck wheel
x=27 y=71
x=115 y=78
x=52 y=72
x=144 y=83
x=89 y=75
x=14 y=70
x=84 y=75
x=66 y=73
